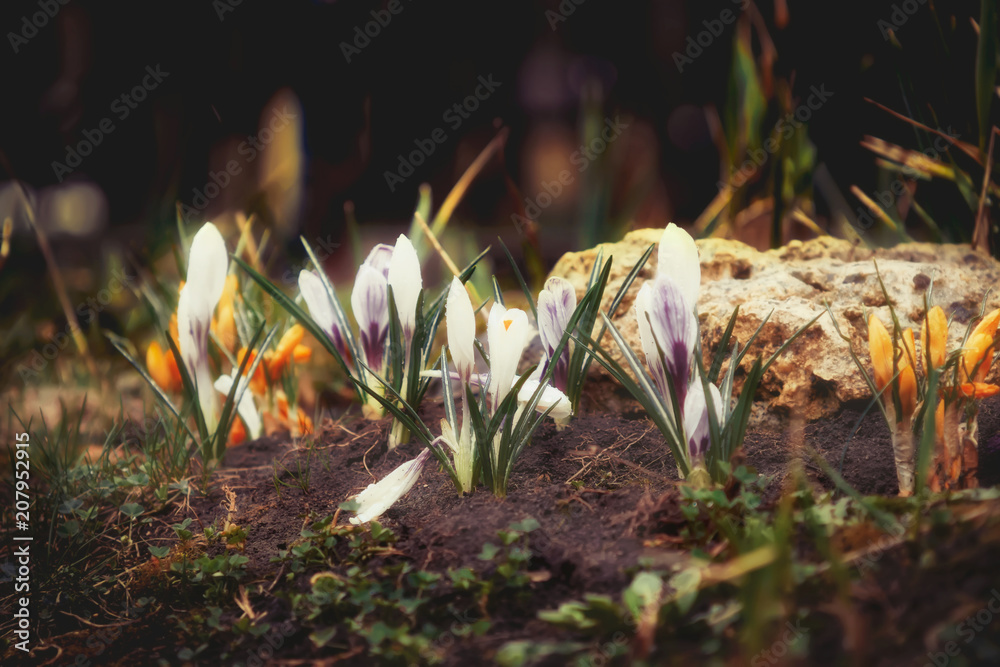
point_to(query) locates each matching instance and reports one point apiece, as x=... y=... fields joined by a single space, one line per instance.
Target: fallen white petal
x=380 y=496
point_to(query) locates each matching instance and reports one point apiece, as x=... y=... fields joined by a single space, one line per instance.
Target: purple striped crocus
x=668 y=330
x=696 y=428
x=556 y=303
x=370 y=303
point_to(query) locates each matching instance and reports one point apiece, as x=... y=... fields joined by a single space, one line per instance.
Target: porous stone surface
x=816 y=375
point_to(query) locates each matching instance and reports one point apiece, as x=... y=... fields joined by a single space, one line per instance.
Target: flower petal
x=934 y=336
x=406 y=282
x=907 y=382
x=320 y=307
x=158 y=366
x=979 y=390
x=507 y=335
x=880 y=349
x=461 y=325
x=696 y=426
x=677 y=257
x=909 y=355
x=192 y=336
x=675 y=329
x=976 y=358
x=245 y=406
x=988 y=325
x=286 y=347
x=653 y=360
x=556 y=304
x=208 y=264
x=550 y=396
x=380 y=496
x=379 y=259
x=370 y=302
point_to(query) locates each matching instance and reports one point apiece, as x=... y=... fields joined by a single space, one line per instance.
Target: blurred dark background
x=562 y=69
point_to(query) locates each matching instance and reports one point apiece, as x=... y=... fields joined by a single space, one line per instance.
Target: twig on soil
x=643 y=470
x=364 y=459
x=92 y=624
x=606 y=452
x=274 y=583
x=42 y=647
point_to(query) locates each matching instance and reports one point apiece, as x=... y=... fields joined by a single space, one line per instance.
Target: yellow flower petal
x=880 y=349
x=934 y=336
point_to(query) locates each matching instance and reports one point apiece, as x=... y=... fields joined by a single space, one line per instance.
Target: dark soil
x=591 y=532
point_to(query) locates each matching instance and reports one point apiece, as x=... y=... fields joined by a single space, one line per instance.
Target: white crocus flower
x=245 y=406
x=507 y=334
x=208 y=264
x=460 y=321
x=677 y=257
x=550 y=396
x=406 y=282
x=461 y=325
x=370 y=303
x=696 y=428
x=556 y=303
x=321 y=308
x=380 y=496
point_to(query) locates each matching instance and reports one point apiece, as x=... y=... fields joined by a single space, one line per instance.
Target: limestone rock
x=816 y=375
